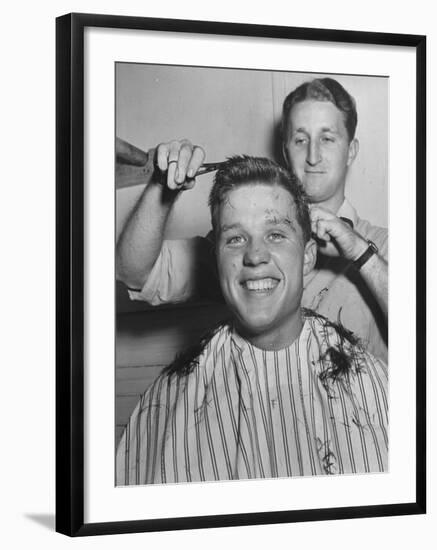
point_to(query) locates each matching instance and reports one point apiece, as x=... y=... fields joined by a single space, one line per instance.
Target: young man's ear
x=354 y=147
x=310 y=256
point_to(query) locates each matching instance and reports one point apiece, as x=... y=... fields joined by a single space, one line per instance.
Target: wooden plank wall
x=147 y=341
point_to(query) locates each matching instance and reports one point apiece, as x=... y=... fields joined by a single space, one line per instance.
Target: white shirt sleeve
x=176 y=273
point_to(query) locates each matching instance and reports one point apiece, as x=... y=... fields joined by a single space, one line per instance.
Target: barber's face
x=261 y=258
x=318 y=149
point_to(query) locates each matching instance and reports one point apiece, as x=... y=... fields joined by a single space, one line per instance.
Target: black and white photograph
x=215 y=229
x=251 y=263
x=240 y=296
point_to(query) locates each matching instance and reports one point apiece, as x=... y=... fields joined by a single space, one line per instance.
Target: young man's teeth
x=260 y=284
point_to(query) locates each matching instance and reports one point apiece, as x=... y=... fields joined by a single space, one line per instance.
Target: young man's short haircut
x=245 y=170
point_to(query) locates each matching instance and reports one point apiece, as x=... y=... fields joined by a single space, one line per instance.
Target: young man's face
x=318 y=150
x=261 y=259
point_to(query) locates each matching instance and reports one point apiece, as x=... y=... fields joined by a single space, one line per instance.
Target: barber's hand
x=180 y=160
x=335 y=237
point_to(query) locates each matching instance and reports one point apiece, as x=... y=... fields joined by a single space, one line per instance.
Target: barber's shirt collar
x=346 y=210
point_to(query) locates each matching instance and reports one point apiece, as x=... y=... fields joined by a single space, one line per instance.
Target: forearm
x=340 y=238
x=141 y=239
x=375 y=275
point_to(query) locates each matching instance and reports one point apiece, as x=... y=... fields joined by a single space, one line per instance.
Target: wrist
x=360 y=246
x=370 y=251
x=160 y=195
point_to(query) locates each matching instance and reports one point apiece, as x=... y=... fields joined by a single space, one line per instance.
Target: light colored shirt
x=185 y=269
x=337 y=291
x=243 y=412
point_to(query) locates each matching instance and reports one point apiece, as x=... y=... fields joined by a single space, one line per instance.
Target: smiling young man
x=263 y=250
x=349 y=283
x=276 y=391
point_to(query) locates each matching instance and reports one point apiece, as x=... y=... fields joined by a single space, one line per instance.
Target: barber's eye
x=299 y=141
x=235 y=240
x=328 y=139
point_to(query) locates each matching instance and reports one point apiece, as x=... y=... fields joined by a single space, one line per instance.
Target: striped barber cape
x=242 y=412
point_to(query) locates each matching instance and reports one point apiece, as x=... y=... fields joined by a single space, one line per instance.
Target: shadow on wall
x=46 y=520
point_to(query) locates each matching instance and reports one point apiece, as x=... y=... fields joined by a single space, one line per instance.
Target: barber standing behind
x=350 y=281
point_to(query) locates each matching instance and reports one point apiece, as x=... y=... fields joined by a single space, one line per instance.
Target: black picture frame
x=70 y=273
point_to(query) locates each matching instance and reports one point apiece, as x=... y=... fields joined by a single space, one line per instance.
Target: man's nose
x=257 y=252
x=313 y=153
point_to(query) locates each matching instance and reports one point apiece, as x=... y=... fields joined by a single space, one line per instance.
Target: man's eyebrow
x=270 y=220
x=332 y=129
x=228 y=227
x=275 y=220
x=303 y=130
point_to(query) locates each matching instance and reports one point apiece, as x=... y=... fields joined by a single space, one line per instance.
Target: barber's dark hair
x=322 y=89
x=244 y=170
